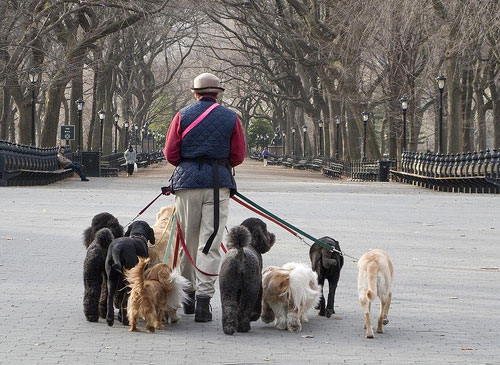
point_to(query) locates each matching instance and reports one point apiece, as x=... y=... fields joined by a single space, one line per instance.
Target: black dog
x=123 y=254
x=94 y=276
x=327 y=265
x=240 y=278
x=102 y=220
x=94 y=267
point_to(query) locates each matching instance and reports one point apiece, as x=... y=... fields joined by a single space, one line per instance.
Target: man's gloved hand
x=165 y=190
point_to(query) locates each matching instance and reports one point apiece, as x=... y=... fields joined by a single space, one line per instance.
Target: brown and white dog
x=288 y=293
x=157 y=298
x=162 y=229
x=375 y=277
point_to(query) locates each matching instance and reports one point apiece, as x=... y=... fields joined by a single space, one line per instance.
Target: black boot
x=189 y=305
x=203 y=312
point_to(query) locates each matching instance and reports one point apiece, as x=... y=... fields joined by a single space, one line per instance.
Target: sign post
x=68 y=133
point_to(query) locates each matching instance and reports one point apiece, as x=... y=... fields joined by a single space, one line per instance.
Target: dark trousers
x=76 y=168
x=130 y=168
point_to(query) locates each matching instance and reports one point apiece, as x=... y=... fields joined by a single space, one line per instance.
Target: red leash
x=180 y=238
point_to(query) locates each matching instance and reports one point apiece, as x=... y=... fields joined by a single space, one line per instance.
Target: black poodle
x=94 y=276
x=240 y=278
x=102 y=220
x=123 y=254
x=327 y=265
x=93 y=267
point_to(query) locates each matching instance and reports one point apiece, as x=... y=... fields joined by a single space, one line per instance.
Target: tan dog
x=157 y=252
x=156 y=298
x=288 y=293
x=375 y=276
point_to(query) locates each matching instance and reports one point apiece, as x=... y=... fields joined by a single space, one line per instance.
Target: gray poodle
x=240 y=278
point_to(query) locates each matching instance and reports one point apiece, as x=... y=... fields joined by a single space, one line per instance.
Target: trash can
x=383 y=173
x=91 y=162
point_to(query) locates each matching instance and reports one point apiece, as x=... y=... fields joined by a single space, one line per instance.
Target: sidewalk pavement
x=445 y=250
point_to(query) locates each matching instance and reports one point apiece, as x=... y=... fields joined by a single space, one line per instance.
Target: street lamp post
x=366 y=116
x=320 y=125
x=293 y=141
x=116 y=116
x=102 y=115
x=136 y=129
x=337 y=123
x=441 y=81
x=33 y=76
x=143 y=134
x=283 y=136
x=154 y=137
x=125 y=125
x=148 y=136
x=404 y=108
x=79 y=106
x=304 y=129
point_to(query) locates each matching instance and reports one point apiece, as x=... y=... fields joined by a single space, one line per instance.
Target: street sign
x=68 y=132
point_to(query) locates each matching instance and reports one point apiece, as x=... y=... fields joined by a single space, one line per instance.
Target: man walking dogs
x=204 y=141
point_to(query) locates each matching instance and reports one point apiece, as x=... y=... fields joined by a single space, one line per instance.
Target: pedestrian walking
x=265 y=155
x=130 y=157
x=204 y=141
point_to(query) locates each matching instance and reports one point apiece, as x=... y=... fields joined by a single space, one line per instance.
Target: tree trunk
x=50 y=124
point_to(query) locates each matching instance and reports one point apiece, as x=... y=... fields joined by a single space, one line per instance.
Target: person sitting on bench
x=67 y=163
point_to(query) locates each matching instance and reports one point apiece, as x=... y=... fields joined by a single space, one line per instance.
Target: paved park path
x=445 y=248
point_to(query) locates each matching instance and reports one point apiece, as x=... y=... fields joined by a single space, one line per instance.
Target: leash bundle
x=245 y=202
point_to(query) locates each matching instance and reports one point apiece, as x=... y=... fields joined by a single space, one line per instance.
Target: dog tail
x=103 y=237
x=304 y=291
x=239 y=237
x=135 y=276
x=371 y=278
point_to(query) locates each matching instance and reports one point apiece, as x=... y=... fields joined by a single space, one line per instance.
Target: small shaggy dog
x=240 y=277
x=327 y=264
x=102 y=220
x=289 y=292
x=162 y=229
x=375 y=276
x=124 y=253
x=156 y=297
x=94 y=267
x=94 y=276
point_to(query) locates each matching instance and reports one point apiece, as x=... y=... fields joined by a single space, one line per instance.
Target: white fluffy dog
x=375 y=276
x=288 y=293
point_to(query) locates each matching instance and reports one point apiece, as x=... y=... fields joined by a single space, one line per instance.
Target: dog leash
x=180 y=238
x=282 y=223
x=147 y=206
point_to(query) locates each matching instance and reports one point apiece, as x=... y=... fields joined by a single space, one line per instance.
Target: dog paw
x=380 y=330
x=134 y=329
x=370 y=336
x=296 y=327
x=229 y=330
x=150 y=329
x=245 y=327
x=329 y=313
x=92 y=318
x=385 y=321
x=110 y=322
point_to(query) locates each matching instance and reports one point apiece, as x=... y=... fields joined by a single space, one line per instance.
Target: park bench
x=301 y=164
x=333 y=170
x=315 y=164
x=471 y=172
x=274 y=160
x=365 y=172
x=288 y=162
x=22 y=165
